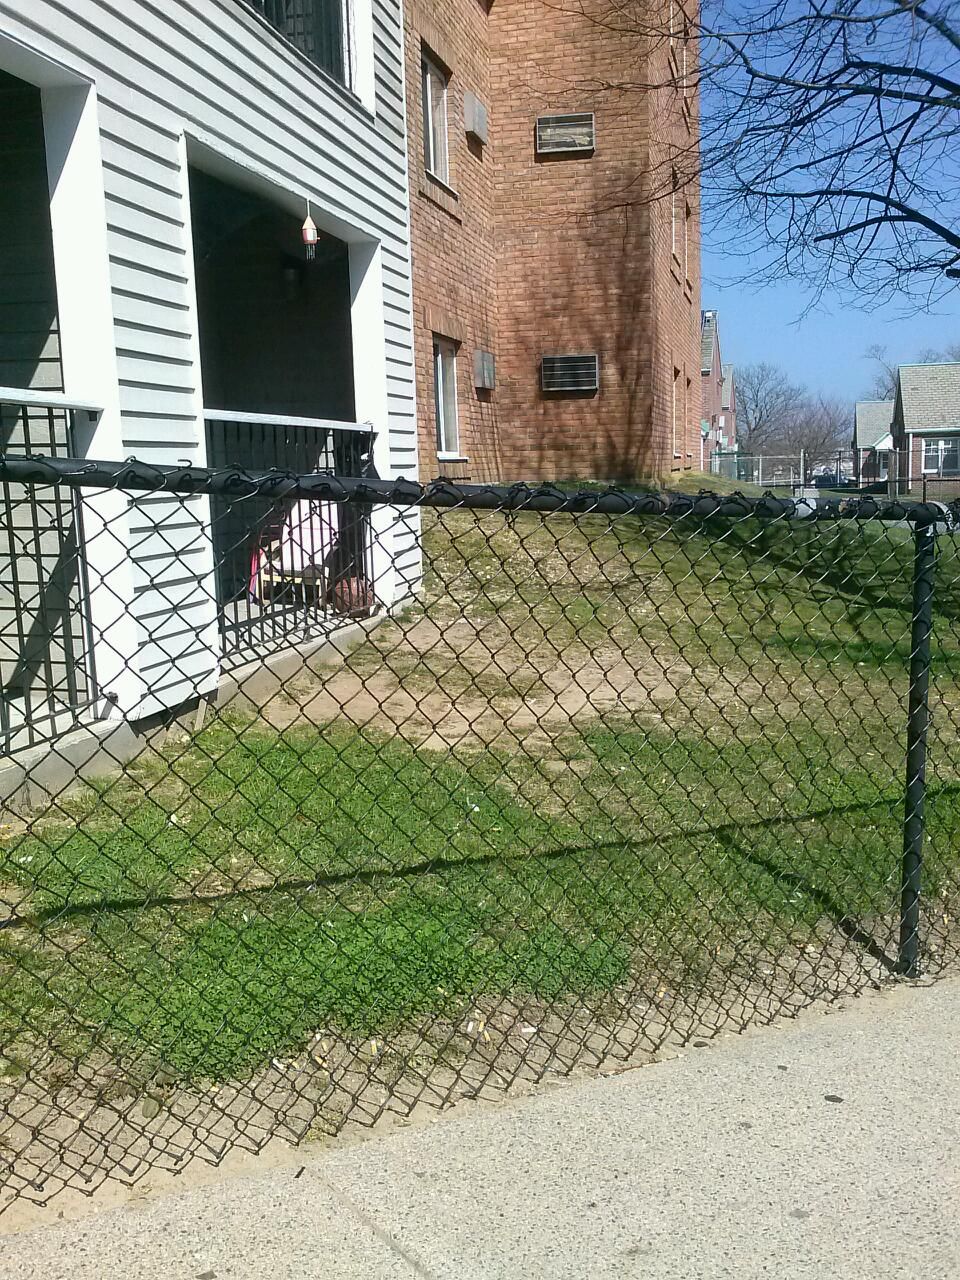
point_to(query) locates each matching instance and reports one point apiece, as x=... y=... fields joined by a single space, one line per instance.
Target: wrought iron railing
x=290 y=569
x=47 y=678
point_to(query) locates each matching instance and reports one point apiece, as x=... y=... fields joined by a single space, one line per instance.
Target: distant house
x=872 y=440
x=728 y=405
x=718 y=425
x=926 y=426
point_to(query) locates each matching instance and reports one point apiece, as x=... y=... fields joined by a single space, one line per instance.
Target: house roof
x=929 y=395
x=726 y=393
x=872 y=420
x=709 y=338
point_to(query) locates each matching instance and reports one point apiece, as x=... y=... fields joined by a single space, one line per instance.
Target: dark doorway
x=275 y=334
x=29 y=329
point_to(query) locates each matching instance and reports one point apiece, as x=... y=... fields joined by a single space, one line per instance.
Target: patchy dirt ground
x=476 y=685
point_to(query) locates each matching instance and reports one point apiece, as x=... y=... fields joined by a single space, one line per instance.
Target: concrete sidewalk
x=824 y=1147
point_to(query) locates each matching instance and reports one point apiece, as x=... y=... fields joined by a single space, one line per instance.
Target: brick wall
x=555 y=255
x=453 y=230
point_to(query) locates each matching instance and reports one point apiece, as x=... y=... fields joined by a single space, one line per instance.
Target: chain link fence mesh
x=498 y=793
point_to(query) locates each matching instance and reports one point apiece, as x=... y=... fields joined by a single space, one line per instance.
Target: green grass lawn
x=676 y=482
x=224 y=900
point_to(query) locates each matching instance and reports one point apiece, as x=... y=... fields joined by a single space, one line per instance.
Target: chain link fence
x=516 y=782
x=831 y=469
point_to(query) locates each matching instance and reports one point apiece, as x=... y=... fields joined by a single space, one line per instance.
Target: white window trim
x=432 y=152
x=674 y=414
x=445 y=350
x=939 y=441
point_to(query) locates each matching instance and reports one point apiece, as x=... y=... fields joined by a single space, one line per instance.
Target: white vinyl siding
x=213 y=73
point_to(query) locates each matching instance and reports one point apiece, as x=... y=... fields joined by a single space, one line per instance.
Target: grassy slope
x=681 y=482
x=213 y=909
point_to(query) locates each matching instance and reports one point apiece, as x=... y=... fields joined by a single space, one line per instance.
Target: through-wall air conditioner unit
x=484 y=370
x=570 y=373
x=475 y=121
x=559 y=135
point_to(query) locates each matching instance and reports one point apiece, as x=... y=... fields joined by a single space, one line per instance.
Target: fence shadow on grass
x=728 y=834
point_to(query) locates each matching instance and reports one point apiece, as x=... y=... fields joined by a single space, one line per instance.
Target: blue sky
x=825 y=350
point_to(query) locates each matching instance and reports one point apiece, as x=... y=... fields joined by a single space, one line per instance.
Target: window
x=942 y=457
x=318 y=28
x=445 y=396
x=674 y=238
x=687 y=215
x=675 y=413
x=435 y=155
x=675 y=230
x=559 y=134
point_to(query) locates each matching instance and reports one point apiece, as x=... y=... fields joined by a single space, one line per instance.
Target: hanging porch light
x=310 y=235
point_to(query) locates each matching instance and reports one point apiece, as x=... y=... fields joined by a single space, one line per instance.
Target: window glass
x=445 y=395
x=317 y=28
x=435 y=121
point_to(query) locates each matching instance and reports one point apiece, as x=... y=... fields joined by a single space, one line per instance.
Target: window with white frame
x=318 y=28
x=942 y=456
x=675 y=413
x=435 y=154
x=675 y=232
x=445 y=396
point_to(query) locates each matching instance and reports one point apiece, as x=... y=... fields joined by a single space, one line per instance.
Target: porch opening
x=46 y=666
x=276 y=348
x=29 y=326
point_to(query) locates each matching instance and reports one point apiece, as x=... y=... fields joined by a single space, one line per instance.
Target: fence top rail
x=235 y=482
x=25 y=398
x=285 y=420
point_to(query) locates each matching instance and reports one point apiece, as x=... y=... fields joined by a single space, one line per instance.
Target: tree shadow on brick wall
x=588 y=281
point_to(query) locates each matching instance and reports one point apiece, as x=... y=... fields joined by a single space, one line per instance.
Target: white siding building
x=160 y=157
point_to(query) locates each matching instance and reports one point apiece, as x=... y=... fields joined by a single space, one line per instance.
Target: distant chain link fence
x=824 y=469
x=329 y=799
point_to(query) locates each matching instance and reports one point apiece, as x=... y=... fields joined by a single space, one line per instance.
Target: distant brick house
x=926 y=428
x=718 y=428
x=556 y=306
x=872 y=440
x=728 y=406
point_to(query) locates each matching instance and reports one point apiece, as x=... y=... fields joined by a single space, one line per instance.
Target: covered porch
x=276 y=351
x=115 y=607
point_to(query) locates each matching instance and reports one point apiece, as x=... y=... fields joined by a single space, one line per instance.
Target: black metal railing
x=290 y=569
x=47 y=678
x=606 y=772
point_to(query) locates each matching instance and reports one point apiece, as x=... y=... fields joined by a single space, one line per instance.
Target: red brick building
x=556 y=303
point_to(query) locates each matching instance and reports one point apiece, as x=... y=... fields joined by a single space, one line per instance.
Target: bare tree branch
x=829 y=132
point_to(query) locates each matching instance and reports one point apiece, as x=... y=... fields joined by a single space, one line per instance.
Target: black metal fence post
x=918 y=717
